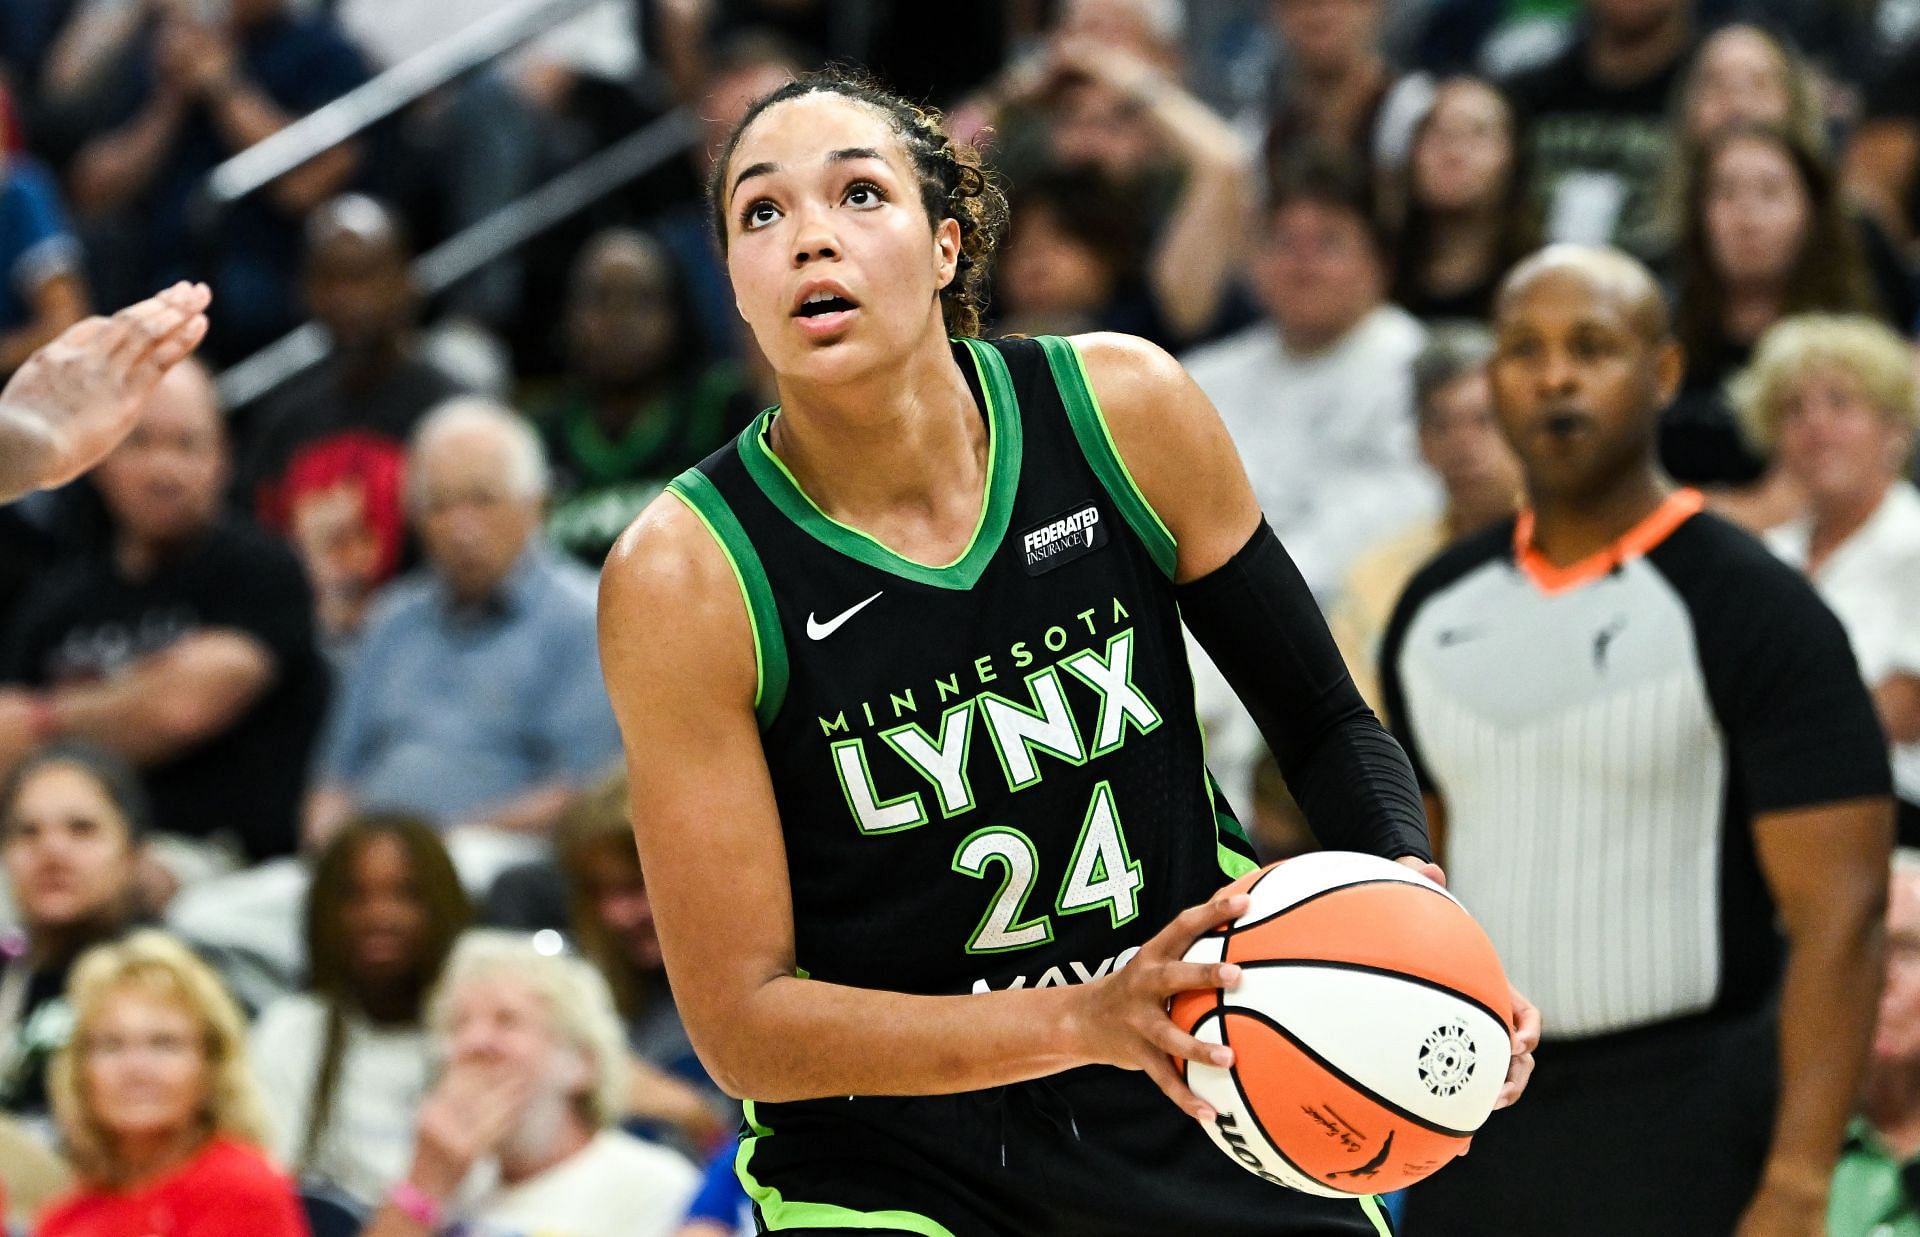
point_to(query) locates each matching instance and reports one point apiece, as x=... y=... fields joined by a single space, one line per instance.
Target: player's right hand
x=1123 y=1016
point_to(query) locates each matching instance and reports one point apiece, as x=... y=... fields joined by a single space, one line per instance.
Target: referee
x=1644 y=744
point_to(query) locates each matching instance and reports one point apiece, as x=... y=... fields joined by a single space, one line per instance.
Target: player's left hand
x=1786 y=1209
x=1525 y=1036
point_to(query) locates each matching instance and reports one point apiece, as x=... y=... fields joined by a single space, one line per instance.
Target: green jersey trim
x=1096 y=443
x=773 y=477
x=1234 y=863
x=1370 y=1204
x=769 y=648
x=781 y=1213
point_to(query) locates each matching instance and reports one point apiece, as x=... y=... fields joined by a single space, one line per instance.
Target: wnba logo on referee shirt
x=1063 y=538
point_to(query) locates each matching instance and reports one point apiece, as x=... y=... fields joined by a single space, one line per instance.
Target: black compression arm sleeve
x=1257 y=619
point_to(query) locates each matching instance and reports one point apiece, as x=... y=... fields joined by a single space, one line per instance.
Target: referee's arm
x=1827 y=869
x=1811 y=764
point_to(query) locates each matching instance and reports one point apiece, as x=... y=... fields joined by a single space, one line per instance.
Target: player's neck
x=909 y=437
x=1567 y=528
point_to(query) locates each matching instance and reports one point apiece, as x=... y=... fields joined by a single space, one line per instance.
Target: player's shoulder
x=671 y=559
x=1134 y=367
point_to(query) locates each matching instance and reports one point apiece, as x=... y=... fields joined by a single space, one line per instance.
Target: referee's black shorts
x=1094 y=1152
x=1657 y=1132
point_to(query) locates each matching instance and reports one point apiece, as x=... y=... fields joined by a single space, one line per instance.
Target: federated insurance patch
x=1074 y=533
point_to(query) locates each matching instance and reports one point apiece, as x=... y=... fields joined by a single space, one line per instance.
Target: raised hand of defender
x=85 y=388
x=1125 y=1020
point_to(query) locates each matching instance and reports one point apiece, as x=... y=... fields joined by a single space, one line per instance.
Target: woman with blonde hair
x=161 y=1118
x=1832 y=397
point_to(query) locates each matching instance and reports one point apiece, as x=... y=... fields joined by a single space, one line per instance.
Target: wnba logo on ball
x=1446 y=1059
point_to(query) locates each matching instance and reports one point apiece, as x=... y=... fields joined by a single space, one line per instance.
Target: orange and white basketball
x=1369 y=1031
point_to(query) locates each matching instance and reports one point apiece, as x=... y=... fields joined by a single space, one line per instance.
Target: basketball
x=1369 y=1030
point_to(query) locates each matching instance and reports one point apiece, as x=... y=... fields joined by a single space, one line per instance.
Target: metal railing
x=500 y=233
x=364 y=106
x=459 y=256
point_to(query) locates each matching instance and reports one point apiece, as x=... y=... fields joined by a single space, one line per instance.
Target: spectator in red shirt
x=160 y=1114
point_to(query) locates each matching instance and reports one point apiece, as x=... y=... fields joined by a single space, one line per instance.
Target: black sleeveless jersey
x=989 y=774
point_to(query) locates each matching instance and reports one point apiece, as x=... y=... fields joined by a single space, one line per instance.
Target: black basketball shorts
x=1094 y=1152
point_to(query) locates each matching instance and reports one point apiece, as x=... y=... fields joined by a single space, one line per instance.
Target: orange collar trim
x=1656 y=527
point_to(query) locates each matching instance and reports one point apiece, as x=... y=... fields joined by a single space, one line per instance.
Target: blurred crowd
x=316 y=853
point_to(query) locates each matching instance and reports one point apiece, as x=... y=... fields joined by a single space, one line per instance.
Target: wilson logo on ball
x=1446 y=1060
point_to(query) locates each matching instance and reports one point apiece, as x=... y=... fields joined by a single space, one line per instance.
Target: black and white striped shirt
x=1602 y=737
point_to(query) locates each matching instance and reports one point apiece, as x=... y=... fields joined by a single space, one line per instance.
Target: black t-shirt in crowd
x=1701 y=440
x=85 y=621
x=1597 y=149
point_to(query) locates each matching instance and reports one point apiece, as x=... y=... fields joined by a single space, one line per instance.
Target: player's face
x=1835 y=442
x=66 y=849
x=835 y=265
x=1577 y=385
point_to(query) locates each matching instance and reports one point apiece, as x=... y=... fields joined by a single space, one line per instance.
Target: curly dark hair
x=954 y=183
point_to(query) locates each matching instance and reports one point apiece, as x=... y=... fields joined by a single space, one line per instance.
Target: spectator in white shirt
x=344 y=1064
x=517 y=1136
x=1833 y=397
x=1319 y=396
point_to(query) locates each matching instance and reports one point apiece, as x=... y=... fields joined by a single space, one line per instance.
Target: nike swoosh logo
x=816 y=630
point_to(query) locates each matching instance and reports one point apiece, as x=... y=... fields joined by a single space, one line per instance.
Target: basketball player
x=1648 y=745
x=923 y=810
x=76 y=397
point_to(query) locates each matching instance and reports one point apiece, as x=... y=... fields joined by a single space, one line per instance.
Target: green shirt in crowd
x=1869 y=1196
x=601 y=483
